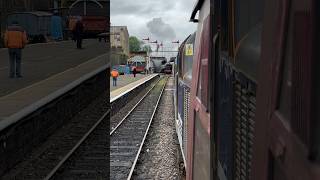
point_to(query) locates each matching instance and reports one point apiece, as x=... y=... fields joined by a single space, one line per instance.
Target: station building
x=119 y=41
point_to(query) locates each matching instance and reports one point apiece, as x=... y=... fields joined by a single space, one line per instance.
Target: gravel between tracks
x=47 y=155
x=159 y=158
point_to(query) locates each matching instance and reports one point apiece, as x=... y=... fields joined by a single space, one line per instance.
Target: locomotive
x=246 y=107
x=157 y=63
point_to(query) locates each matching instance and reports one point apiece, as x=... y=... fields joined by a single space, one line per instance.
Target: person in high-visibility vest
x=15 y=39
x=114 y=75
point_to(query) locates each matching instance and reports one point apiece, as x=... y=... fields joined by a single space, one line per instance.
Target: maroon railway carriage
x=254 y=106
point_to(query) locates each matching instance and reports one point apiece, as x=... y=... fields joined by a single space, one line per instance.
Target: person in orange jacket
x=114 y=75
x=15 y=39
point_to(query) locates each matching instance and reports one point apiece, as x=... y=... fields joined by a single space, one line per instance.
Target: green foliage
x=147 y=48
x=134 y=44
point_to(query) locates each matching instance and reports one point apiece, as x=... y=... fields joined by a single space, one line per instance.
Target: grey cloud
x=136 y=13
x=140 y=7
x=160 y=29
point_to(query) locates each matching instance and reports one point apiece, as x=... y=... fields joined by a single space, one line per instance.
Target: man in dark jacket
x=134 y=72
x=78 y=33
x=15 y=39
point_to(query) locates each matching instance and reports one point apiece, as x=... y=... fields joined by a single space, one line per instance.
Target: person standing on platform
x=78 y=33
x=134 y=71
x=15 y=39
x=114 y=75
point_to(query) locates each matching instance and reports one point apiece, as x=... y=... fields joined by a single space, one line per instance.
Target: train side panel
x=183 y=84
x=199 y=152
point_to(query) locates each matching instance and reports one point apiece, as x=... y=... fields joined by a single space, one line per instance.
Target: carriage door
x=283 y=145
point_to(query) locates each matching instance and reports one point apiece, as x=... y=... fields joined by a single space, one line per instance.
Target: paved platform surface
x=124 y=80
x=41 y=61
x=129 y=86
x=19 y=103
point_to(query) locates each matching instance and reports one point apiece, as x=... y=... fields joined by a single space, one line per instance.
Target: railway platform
x=41 y=61
x=126 y=79
x=59 y=81
x=128 y=83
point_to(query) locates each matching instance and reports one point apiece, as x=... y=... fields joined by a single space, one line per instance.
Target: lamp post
x=161 y=45
x=148 y=54
x=148 y=51
x=153 y=42
x=146 y=39
x=174 y=66
x=176 y=42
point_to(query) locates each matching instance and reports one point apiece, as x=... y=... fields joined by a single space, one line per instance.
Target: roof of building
x=36 y=13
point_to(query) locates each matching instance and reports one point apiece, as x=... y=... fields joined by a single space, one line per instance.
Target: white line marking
x=128 y=90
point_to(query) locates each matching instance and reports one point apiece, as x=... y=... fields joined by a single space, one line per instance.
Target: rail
x=137 y=121
x=69 y=154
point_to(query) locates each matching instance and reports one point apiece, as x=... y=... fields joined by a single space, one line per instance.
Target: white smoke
x=161 y=30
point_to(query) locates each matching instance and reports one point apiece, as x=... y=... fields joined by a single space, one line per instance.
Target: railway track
x=127 y=138
x=88 y=158
x=45 y=158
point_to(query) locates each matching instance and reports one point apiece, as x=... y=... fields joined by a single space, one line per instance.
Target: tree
x=134 y=44
x=147 y=48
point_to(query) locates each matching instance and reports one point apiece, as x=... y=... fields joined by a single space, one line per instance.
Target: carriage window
x=285 y=85
x=202 y=91
x=226 y=41
x=201 y=154
x=247 y=15
x=284 y=102
x=187 y=65
x=203 y=83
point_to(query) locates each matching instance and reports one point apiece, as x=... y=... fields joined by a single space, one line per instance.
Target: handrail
x=196 y=8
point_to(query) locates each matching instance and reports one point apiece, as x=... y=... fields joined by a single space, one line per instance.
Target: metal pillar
x=85 y=7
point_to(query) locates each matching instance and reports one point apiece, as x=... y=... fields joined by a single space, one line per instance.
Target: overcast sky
x=162 y=20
